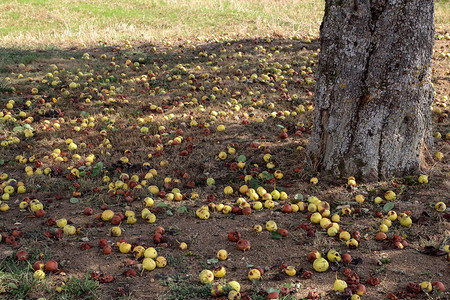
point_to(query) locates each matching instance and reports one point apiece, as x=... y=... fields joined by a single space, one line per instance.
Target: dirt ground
x=243 y=106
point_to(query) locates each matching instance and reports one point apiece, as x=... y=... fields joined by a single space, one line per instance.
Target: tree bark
x=373 y=91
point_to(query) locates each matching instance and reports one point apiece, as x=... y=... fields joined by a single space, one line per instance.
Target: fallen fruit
x=339 y=285
x=148 y=264
x=222 y=254
x=320 y=265
x=254 y=274
x=206 y=276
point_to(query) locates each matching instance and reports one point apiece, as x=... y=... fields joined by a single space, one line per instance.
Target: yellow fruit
x=392 y=215
x=222 y=254
x=336 y=218
x=344 y=236
x=405 y=221
x=257 y=228
x=148 y=202
x=228 y=190
x=312 y=207
x=440 y=207
x=234 y=295
x=206 y=276
x=352 y=243
x=290 y=271
x=359 y=198
x=148 y=264
x=39 y=275
x=320 y=264
x=332 y=231
x=339 y=285
x=254 y=274
x=107 y=215
x=150 y=252
x=390 y=195
x=383 y=228
x=69 y=229
x=138 y=251
x=161 y=262
x=217 y=290
x=202 y=213
x=316 y=217
x=325 y=223
x=426 y=286
x=378 y=200
x=219 y=272
x=271 y=226
x=61 y=223
x=116 y=231
x=423 y=179
x=333 y=256
x=124 y=247
x=234 y=285
x=183 y=246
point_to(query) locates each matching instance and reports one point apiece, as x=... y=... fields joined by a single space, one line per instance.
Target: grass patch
x=182 y=288
x=79 y=289
x=17 y=280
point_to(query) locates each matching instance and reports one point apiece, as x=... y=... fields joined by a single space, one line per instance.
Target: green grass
x=79 y=289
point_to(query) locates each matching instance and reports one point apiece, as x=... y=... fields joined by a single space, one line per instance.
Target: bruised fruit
x=206 y=276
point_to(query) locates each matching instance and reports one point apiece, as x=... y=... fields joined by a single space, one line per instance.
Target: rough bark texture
x=373 y=91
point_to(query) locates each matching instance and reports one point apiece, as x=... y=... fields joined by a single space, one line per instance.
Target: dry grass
x=36 y=23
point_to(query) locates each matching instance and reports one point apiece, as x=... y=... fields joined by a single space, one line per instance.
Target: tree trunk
x=373 y=91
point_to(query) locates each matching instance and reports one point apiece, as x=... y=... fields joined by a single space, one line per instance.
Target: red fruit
x=236 y=210
x=22 y=255
x=439 y=286
x=373 y=281
x=102 y=243
x=356 y=235
x=191 y=184
x=51 y=221
x=130 y=273
x=39 y=265
x=313 y=295
x=107 y=249
x=261 y=270
x=17 y=233
x=283 y=136
x=116 y=220
x=59 y=233
x=273 y=295
x=51 y=266
x=313 y=255
x=210 y=198
x=104 y=206
x=85 y=246
x=307 y=275
x=360 y=289
x=287 y=209
x=246 y=210
x=234 y=236
x=283 y=232
x=40 y=213
x=283 y=267
x=381 y=236
x=157 y=238
x=243 y=245
x=88 y=211
x=347 y=258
